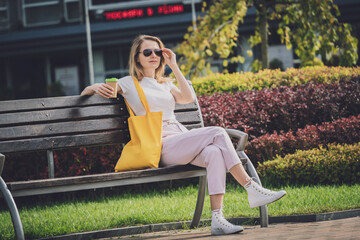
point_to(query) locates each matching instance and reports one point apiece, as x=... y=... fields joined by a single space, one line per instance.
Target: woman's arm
x=101 y=89
x=184 y=94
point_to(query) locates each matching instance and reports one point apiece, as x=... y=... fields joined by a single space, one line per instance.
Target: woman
x=208 y=147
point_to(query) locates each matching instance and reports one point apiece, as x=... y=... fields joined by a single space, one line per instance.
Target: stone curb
x=115 y=232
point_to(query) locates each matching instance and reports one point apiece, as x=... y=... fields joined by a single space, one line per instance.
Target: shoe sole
x=222 y=233
x=257 y=205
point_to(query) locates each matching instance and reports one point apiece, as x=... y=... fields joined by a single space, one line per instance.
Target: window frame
x=26 y=6
x=66 y=16
x=7 y=20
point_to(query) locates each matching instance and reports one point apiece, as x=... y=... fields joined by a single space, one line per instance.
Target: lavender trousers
x=208 y=147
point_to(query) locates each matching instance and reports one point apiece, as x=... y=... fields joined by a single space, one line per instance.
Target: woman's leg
x=240 y=175
x=216 y=201
x=211 y=147
x=204 y=147
x=208 y=147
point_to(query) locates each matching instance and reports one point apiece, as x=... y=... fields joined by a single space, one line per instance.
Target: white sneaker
x=259 y=196
x=220 y=226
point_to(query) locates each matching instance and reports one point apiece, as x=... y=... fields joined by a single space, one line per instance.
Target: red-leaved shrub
x=68 y=162
x=86 y=161
x=282 y=108
x=266 y=147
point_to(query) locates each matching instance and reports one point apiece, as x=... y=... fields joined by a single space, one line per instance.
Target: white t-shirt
x=157 y=95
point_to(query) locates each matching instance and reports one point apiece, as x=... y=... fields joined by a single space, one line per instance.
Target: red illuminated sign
x=124 y=14
x=143 y=12
x=164 y=9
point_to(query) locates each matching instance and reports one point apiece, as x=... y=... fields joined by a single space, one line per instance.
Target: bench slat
x=110 y=183
x=13 y=186
x=188 y=117
x=63 y=128
x=59 y=142
x=72 y=127
x=68 y=101
x=192 y=126
x=186 y=107
x=53 y=103
x=79 y=140
x=68 y=114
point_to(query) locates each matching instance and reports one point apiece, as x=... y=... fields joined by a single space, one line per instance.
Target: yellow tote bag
x=144 y=148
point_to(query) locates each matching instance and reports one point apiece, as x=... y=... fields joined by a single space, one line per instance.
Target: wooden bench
x=47 y=124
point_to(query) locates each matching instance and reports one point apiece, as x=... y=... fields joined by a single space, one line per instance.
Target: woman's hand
x=184 y=94
x=169 y=57
x=101 y=89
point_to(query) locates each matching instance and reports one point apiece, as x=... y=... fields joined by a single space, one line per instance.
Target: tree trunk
x=263 y=26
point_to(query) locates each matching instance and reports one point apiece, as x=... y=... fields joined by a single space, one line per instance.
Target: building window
x=72 y=10
x=110 y=63
x=4 y=14
x=41 y=12
x=115 y=63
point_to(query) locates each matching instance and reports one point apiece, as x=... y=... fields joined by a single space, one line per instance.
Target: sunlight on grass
x=174 y=205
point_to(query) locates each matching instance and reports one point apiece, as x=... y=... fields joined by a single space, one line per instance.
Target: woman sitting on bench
x=208 y=147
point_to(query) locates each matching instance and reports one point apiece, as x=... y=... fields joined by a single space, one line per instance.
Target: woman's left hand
x=169 y=56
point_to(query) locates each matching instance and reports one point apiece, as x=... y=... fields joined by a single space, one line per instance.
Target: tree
x=311 y=27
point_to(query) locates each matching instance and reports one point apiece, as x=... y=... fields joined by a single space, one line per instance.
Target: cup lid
x=111 y=80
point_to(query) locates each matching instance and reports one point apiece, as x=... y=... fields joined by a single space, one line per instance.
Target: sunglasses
x=148 y=52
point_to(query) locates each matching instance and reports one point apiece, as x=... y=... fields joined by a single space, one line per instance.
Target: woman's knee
x=212 y=156
x=210 y=151
x=217 y=130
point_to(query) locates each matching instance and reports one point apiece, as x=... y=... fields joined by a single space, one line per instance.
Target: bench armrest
x=243 y=138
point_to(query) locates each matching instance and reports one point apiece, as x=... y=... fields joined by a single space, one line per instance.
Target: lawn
x=64 y=217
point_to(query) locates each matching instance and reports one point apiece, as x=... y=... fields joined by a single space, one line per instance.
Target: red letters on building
x=165 y=9
x=132 y=13
x=150 y=11
x=139 y=12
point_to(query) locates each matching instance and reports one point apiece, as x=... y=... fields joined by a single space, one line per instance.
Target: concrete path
x=344 y=229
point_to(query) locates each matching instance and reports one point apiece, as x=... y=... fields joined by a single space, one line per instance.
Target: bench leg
x=199 y=203
x=19 y=233
x=51 y=168
x=264 y=219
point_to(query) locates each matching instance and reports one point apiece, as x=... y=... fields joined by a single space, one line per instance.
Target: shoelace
x=221 y=219
x=258 y=188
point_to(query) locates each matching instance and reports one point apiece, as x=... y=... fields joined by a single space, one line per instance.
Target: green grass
x=58 y=218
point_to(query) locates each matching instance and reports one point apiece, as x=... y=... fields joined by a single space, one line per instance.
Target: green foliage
x=49 y=219
x=330 y=164
x=272 y=78
x=215 y=36
x=310 y=26
x=312 y=29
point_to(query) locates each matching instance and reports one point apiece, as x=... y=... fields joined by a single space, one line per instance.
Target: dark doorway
x=28 y=78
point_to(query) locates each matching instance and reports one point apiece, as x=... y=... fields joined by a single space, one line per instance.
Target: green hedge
x=331 y=164
x=272 y=78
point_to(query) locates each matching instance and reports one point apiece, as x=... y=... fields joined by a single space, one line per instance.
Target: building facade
x=43 y=43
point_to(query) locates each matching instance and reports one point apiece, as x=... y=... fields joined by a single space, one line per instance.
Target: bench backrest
x=73 y=121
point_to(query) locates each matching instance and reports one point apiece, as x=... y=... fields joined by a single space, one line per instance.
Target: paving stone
x=344 y=229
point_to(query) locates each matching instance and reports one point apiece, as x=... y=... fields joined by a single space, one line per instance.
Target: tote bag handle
x=141 y=96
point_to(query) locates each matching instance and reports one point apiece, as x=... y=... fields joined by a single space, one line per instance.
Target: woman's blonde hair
x=135 y=68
